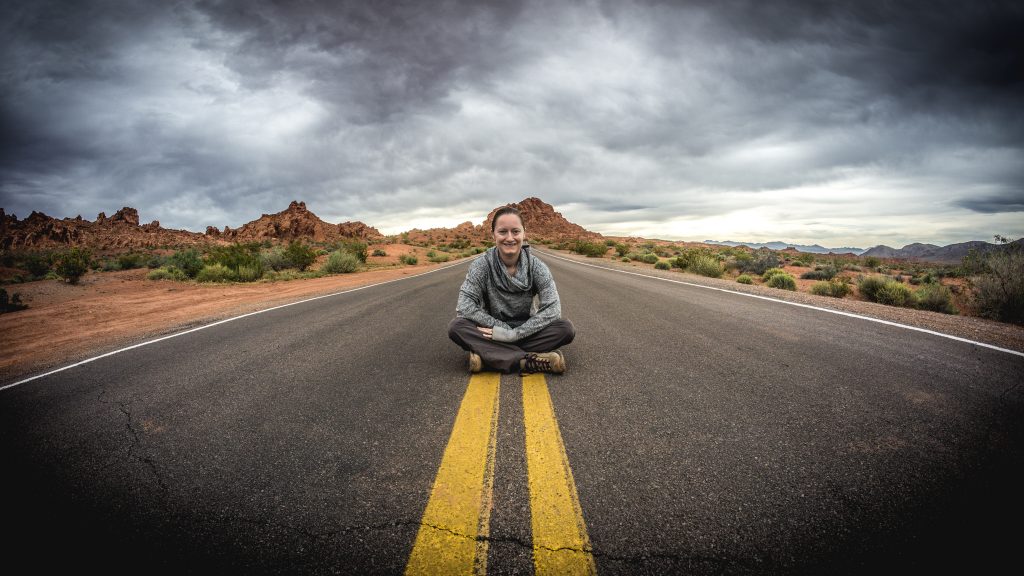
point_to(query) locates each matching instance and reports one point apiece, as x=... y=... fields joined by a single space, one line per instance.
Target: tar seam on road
x=560 y=541
x=453 y=534
x=205 y=326
x=769 y=298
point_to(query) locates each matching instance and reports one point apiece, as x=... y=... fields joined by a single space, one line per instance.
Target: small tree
x=71 y=265
x=299 y=254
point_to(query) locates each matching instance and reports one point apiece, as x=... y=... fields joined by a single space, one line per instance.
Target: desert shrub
x=275 y=260
x=355 y=247
x=783 y=281
x=767 y=274
x=705 y=265
x=872 y=262
x=621 y=249
x=870 y=286
x=215 y=273
x=109 y=265
x=744 y=279
x=762 y=261
x=610 y=243
x=649 y=258
x=662 y=265
x=805 y=258
x=188 y=261
x=379 y=252
x=662 y=251
x=589 y=249
x=238 y=256
x=833 y=288
x=340 y=262
x=820 y=273
x=999 y=290
x=935 y=297
x=895 y=293
x=626 y=259
x=434 y=257
x=169 y=273
x=408 y=259
x=853 y=268
x=11 y=303
x=131 y=260
x=37 y=265
x=300 y=255
x=72 y=264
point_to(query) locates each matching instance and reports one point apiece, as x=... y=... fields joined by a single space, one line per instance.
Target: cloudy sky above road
x=856 y=123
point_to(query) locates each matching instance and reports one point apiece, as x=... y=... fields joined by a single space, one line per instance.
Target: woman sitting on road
x=508 y=314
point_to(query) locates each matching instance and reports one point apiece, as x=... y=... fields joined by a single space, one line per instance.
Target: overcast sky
x=849 y=124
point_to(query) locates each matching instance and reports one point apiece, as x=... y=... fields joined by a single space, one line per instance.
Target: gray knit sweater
x=515 y=307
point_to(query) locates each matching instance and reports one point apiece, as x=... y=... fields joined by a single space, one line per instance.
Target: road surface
x=703 y=432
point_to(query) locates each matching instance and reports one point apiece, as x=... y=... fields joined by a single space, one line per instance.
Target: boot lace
x=535 y=363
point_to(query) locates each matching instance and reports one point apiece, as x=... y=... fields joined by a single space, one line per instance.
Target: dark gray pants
x=505 y=356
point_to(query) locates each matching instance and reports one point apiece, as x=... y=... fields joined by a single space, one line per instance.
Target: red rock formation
x=293 y=223
x=542 y=222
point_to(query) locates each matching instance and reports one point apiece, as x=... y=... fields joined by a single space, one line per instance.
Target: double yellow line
x=453 y=534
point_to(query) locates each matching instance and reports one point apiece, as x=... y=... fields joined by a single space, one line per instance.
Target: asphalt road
x=707 y=433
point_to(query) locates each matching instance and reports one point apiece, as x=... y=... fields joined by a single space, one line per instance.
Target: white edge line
x=829 y=310
x=225 y=320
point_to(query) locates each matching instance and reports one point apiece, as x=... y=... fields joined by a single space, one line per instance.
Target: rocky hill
x=539 y=218
x=122 y=231
x=951 y=253
x=293 y=223
x=118 y=232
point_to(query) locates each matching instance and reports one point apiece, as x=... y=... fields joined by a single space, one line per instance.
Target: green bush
x=275 y=260
x=621 y=249
x=131 y=260
x=72 y=264
x=610 y=243
x=649 y=258
x=589 y=249
x=870 y=286
x=833 y=288
x=237 y=257
x=820 y=273
x=408 y=259
x=705 y=265
x=661 y=266
x=744 y=279
x=935 y=297
x=170 y=273
x=379 y=252
x=36 y=264
x=355 y=247
x=341 y=262
x=895 y=293
x=762 y=261
x=872 y=262
x=767 y=274
x=783 y=281
x=188 y=261
x=437 y=257
x=626 y=259
x=999 y=291
x=300 y=255
x=12 y=303
x=216 y=273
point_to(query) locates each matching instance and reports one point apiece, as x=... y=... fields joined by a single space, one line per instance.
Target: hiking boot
x=476 y=363
x=551 y=362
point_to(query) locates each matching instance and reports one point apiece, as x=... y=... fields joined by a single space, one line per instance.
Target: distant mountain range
x=815 y=248
x=933 y=253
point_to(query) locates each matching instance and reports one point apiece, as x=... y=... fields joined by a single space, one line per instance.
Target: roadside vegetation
x=990 y=284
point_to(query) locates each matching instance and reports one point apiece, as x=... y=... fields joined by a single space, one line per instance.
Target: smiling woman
x=509 y=313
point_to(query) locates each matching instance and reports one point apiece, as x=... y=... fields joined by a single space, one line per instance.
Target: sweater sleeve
x=549 y=308
x=471 y=298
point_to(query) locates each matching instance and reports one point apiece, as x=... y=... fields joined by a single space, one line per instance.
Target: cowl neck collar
x=522 y=281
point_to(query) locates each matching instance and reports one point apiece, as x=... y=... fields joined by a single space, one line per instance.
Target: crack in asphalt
x=125 y=408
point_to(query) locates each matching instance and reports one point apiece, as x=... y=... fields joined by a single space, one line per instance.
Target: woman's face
x=509 y=235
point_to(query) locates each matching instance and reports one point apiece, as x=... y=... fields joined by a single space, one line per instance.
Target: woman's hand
x=487 y=332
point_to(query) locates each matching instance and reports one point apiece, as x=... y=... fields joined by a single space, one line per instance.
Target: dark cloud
x=671 y=117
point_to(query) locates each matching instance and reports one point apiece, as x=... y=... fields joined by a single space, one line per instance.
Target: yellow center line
x=452 y=536
x=560 y=541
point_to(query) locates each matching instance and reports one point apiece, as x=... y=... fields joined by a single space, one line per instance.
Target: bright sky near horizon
x=837 y=123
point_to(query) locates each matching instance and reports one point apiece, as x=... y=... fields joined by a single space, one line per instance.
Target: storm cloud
x=838 y=123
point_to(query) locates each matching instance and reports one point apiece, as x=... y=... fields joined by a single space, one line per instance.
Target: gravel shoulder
x=1009 y=336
